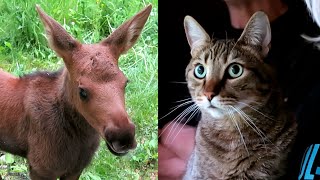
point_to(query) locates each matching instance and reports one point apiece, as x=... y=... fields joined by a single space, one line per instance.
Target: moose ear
x=125 y=36
x=58 y=38
x=196 y=35
x=257 y=32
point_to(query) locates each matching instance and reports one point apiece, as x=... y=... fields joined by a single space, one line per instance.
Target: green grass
x=23 y=49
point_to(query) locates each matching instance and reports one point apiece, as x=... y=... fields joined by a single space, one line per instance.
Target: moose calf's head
x=94 y=83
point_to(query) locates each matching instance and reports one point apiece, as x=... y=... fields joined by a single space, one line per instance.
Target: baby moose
x=245 y=131
x=55 y=120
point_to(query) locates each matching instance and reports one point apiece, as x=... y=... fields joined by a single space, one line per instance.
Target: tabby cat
x=245 y=131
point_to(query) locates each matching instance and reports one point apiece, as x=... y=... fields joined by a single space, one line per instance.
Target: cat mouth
x=212 y=107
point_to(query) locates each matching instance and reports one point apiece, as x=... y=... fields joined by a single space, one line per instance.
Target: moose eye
x=235 y=70
x=83 y=94
x=200 y=71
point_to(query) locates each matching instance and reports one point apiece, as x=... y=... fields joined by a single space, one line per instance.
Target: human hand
x=174 y=150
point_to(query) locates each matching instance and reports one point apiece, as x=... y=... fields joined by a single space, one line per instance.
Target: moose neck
x=69 y=99
x=65 y=87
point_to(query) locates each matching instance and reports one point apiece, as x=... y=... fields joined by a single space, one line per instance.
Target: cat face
x=226 y=76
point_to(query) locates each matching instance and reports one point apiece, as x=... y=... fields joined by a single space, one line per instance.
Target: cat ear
x=196 y=35
x=257 y=32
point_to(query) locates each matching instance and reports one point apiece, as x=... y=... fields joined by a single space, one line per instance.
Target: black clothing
x=297 y=62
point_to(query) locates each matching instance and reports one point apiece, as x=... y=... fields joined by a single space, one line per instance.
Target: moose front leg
x=74 y=176
x=34 y=175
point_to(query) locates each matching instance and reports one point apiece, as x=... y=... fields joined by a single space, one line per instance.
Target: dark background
x=296 y=60
x=174 y=51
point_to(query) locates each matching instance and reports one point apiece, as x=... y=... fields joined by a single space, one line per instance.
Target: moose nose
x=121 y=140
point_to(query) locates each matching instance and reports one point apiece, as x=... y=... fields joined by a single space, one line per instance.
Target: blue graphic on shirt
x=310 y=164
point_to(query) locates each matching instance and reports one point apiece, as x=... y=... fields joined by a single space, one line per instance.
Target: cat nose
x=209 y=95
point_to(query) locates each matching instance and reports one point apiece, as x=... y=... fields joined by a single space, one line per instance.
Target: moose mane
x=51 y=75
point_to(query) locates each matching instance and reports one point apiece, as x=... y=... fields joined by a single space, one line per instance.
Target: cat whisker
x=249 y=120
x=179 y=82
x=183 y=100
x=256 y=110
x=175 y=108
x=250 y=123
x=235 y=44
x=257 y=103
x=182 y=104
x=244 y=116
x=191 y=116
x=229 y=110
x=256 y=129
x=178 y=119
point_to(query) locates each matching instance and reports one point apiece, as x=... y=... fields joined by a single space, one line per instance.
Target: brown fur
x=43 y=117
x=245 y=131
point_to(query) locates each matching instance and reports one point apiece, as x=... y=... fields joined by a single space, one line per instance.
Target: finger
x=184 y=141
x=164 y=153
x=173 y=168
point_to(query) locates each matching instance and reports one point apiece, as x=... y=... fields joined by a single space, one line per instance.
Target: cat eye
x=200 y=72
x=235 y=70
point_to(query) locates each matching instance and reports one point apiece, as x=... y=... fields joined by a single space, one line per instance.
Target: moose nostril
x=118 y=145
x=121 y=139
